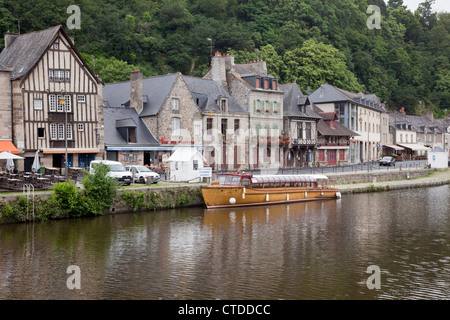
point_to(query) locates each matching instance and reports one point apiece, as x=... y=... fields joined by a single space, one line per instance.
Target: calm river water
x=316 y=250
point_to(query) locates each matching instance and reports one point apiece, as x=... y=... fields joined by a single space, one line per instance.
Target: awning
x=394 y=147
x=415 y=147
x=7 y=145
x=159 y=148
x=69 y=150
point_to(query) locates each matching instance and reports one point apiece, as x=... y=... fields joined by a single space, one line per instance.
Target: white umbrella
x=9 y=164
x=9 y=155
x=36 y=165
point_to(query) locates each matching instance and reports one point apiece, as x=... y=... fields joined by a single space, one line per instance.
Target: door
x=331 y=157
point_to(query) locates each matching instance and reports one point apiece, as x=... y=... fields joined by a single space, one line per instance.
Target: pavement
x=436 y=178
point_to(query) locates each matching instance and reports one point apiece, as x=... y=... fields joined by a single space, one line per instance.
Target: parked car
x=116 y=170
x=143 y=174
x=387 y=161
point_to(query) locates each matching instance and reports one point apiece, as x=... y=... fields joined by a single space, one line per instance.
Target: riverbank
x=18 y=207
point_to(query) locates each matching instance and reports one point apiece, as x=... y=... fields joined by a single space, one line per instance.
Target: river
x=315 y=250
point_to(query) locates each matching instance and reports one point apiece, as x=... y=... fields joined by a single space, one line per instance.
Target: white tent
x=185 y=164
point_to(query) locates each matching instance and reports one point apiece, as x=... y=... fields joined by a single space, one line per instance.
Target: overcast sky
x=439 y=5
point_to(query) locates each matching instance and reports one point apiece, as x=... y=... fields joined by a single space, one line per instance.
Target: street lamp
x=62 y=101
x=360 y=125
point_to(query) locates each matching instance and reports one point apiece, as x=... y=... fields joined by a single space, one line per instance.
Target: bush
x=99 y=190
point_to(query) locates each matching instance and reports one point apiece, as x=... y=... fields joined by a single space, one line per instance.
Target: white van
x=116 y=170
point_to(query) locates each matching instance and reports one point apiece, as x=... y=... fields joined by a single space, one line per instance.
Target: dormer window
x=258 y=83
x=274 y=84
x=266 y=84
x=224 y=105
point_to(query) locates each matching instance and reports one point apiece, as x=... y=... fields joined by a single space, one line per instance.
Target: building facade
x=55 y=100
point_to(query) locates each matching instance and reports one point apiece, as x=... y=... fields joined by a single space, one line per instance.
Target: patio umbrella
x=9 y=164
x=9 y=155
x=36 y=165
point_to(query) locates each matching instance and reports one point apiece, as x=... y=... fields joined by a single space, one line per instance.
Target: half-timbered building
x=56 y=100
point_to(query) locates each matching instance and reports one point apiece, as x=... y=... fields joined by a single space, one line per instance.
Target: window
x=53 y=135
x=60 y=132
x=275 y=107
x=175 y=126
x=37 y=104
x=175 y=104
x=308 y=130
x=299 y=130
x=59 y=75
x=224 y=126
x=52 y=102
x=321 y=155
x=61 y=102
x=64 y=102
x=41 y=133
x=132 y=135
x=56 y=46
x=68 y=103
x=197 y=129
x=258 y=80
x=236 y=124
x=266 y=83
x=69 y=131
x=223 y=105
x=81 y=98
x=81 y=127
x=274 y=84
x=195 y=164
x=209 y=123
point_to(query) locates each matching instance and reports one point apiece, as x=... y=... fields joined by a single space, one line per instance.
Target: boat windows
x=228 y=179
x=236 y=180
x=221 y=179
x=246 y=182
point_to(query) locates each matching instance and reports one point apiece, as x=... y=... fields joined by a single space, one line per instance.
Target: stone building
x=50 y=100
x=225 y=124
x=165 y=106
x=258 y=93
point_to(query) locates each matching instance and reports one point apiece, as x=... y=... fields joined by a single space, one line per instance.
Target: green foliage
x=308 y=41
x=99 y=190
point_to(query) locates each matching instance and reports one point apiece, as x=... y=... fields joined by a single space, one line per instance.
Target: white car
x=143 y=174
x=116 y=170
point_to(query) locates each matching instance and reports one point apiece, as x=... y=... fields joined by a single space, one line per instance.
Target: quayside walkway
x=434 y=178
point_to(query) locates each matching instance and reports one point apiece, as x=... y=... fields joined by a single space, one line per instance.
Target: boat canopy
x=287 y=179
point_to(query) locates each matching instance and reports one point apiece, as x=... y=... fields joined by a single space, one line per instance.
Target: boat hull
x=236 y=196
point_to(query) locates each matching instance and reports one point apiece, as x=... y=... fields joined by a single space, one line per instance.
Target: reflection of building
x=53 y=100
x=300 y=127
x=358 y=112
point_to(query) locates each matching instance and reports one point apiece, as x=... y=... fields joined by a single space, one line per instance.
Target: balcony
x=303 y=142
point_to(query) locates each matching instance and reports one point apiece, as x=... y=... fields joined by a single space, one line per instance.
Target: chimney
x=430 y=116
x=221 y=65
x=260 y=66
x=9 y=38
x=136 y=91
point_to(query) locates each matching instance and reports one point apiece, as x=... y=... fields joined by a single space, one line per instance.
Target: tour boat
x=244 y=189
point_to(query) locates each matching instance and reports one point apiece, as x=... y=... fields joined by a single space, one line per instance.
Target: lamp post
x=360 y=126
x=62 y=101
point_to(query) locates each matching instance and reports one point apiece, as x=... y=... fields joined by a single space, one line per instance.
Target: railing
x=303 y=142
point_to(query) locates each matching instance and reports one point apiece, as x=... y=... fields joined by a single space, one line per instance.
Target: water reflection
x=314 y=250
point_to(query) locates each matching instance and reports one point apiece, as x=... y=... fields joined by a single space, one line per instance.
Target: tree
x=316 y=63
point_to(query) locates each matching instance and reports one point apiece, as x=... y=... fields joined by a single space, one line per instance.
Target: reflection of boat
x=243 y=189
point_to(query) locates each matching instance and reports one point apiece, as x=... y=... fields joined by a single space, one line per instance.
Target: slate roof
x=327 y=93
x=324 y=128
x=418 y=123
x=293 y=99
x=155 y=91
x=121 y=117
x=208 y=92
